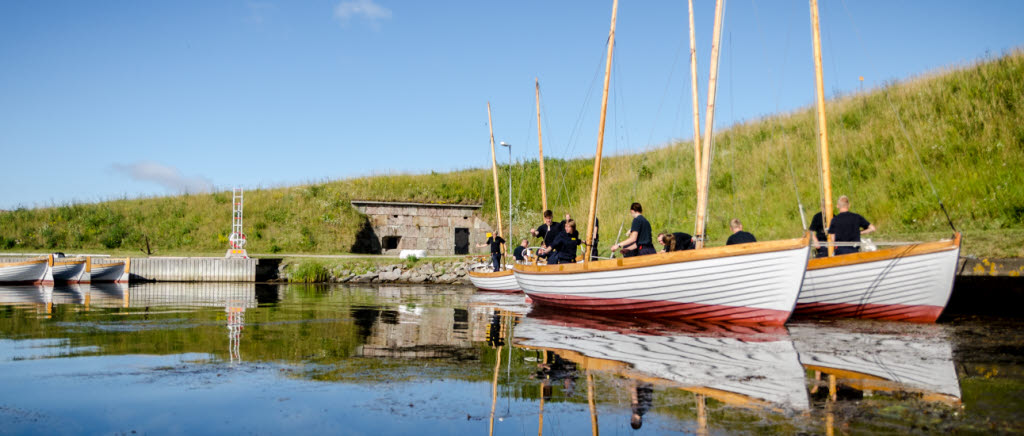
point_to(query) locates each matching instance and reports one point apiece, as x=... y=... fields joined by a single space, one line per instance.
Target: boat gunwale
x=492 y=274
x=658 y=259
x=26 y=262
x=885 y=254
x=68 y=262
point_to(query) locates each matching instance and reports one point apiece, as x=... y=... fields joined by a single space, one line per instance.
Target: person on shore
x=495 y=242
x=520 y=252
x=848 y=226
x=738 y=235
x=639 y=235
x=565 y=245
x=818 y=236
x=677 y=241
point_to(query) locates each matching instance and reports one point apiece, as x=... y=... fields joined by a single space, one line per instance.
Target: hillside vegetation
x=966 y=125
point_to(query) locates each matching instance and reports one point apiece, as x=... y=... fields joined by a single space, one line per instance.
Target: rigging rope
x=899 y=121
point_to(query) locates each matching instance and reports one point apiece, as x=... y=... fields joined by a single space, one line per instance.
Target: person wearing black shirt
x=639 y=234
x=520 y=250
x=641 y=401
x=593 y=246
x=565 y=245
x=738 y=235
x=818 y=236
x=495 y=243
x=677 y=241
x=549 y=230
x=848 y=226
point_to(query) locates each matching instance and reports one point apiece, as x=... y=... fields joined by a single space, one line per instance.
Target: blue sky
x=101 y=100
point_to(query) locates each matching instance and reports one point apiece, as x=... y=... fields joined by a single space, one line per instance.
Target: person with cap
x=639 y=235
x=495 y=242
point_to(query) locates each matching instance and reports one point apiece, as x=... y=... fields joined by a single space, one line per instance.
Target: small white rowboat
x=501 y=281
x=26 y=272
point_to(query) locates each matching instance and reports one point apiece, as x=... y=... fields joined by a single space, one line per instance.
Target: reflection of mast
x=494 y=389
x=592 y=403
x=236 y=322
x=702 y=415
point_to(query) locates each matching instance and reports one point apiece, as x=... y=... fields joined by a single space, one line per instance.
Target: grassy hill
x=966 y=125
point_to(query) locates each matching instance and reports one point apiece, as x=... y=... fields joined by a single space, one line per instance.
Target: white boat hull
x=901 y=286
x=109 y=272
x=27 y=272
x=498 y=282
x=68 y=272
x=755 y=287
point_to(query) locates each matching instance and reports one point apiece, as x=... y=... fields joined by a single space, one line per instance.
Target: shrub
x=310 y=272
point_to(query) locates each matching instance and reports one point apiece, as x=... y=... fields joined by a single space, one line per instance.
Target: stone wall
x=422 y=226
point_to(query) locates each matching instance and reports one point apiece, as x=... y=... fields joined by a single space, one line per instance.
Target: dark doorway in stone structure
x=390 y=242
x=461 y=240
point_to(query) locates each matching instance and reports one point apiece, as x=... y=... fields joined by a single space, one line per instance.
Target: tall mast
x=819 y=84
x=696 y=107
x=494 y=172
x=600 y=137
x=709 y=125
x=540 y=145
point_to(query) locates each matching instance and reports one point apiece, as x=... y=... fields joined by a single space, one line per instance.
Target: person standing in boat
x=639 y=235
x=738 y=235
x=641 y=400
x=565 y=245
x=818 y=236
x=594 y=245
x=495 y=243
x=548 y=231
x=848 y=226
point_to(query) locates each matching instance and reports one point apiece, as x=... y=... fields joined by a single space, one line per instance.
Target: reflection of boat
x=917 y=361
x=68 y=270
x=67 y=293
x=746 y=366
x=21 y=295
x=512 y=303
x=111 y=271
x=108 y=294
x=25 y=272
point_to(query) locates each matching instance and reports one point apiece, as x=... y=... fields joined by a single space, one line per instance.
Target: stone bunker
x=440 y=229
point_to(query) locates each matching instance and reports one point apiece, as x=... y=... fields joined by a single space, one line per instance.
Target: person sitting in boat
x=565 y=245
x=738 y=235
x=495 y=242
x=818 y=235
x=639 y=235
x=677 y=241
x=521 y=252
x=848 y=226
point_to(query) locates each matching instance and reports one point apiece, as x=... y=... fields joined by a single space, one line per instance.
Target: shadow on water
x=432 y=359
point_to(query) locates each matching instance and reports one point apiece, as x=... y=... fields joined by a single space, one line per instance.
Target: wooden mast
x=494 y=172
x=709 y=124
x=540 y=146
x=696 y=104
x=819 y=84
x=600 y=138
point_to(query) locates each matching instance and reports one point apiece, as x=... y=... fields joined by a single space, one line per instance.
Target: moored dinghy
x=752 y=283
x=501 y=281
x=24 y=272
x=110 y=271
x=68 y=270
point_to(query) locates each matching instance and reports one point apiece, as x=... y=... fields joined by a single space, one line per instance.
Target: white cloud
x=166 y=176
x=259 y=12
x=349 y=9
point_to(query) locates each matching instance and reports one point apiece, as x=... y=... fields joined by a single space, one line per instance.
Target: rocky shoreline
x=450 y=272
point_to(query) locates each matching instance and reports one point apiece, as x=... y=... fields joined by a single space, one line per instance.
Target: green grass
x=966 y=124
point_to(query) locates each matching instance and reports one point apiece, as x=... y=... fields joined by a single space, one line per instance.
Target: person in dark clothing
x=848 y=226
x=565 y=245
x=593 y=246
x=495 y=243
x=818 y=236
x=639 y=235
x=520 y=251
x=738 y=235
x=548 y=231
x=641 y=400
x=677 y=241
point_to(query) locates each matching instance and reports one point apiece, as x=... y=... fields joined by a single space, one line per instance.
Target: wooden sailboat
x=503 y=280
x=753 y=283
x=754 y=367
x=904 y=283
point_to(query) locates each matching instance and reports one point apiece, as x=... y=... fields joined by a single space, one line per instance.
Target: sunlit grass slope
x=965 y=124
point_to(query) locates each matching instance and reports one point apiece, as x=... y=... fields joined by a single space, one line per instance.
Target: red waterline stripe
x=665 y=309
x=887 y=312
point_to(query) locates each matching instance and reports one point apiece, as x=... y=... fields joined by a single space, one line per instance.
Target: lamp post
x=509 y=241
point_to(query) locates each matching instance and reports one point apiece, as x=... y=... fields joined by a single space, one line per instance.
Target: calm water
x=241 y=358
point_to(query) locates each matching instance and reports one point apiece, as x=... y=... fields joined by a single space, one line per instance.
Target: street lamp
x=509 y=241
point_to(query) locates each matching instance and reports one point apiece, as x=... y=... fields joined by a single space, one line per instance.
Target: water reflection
x=436 y=355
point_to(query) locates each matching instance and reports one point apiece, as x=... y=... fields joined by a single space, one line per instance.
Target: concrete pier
x=193 y=269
